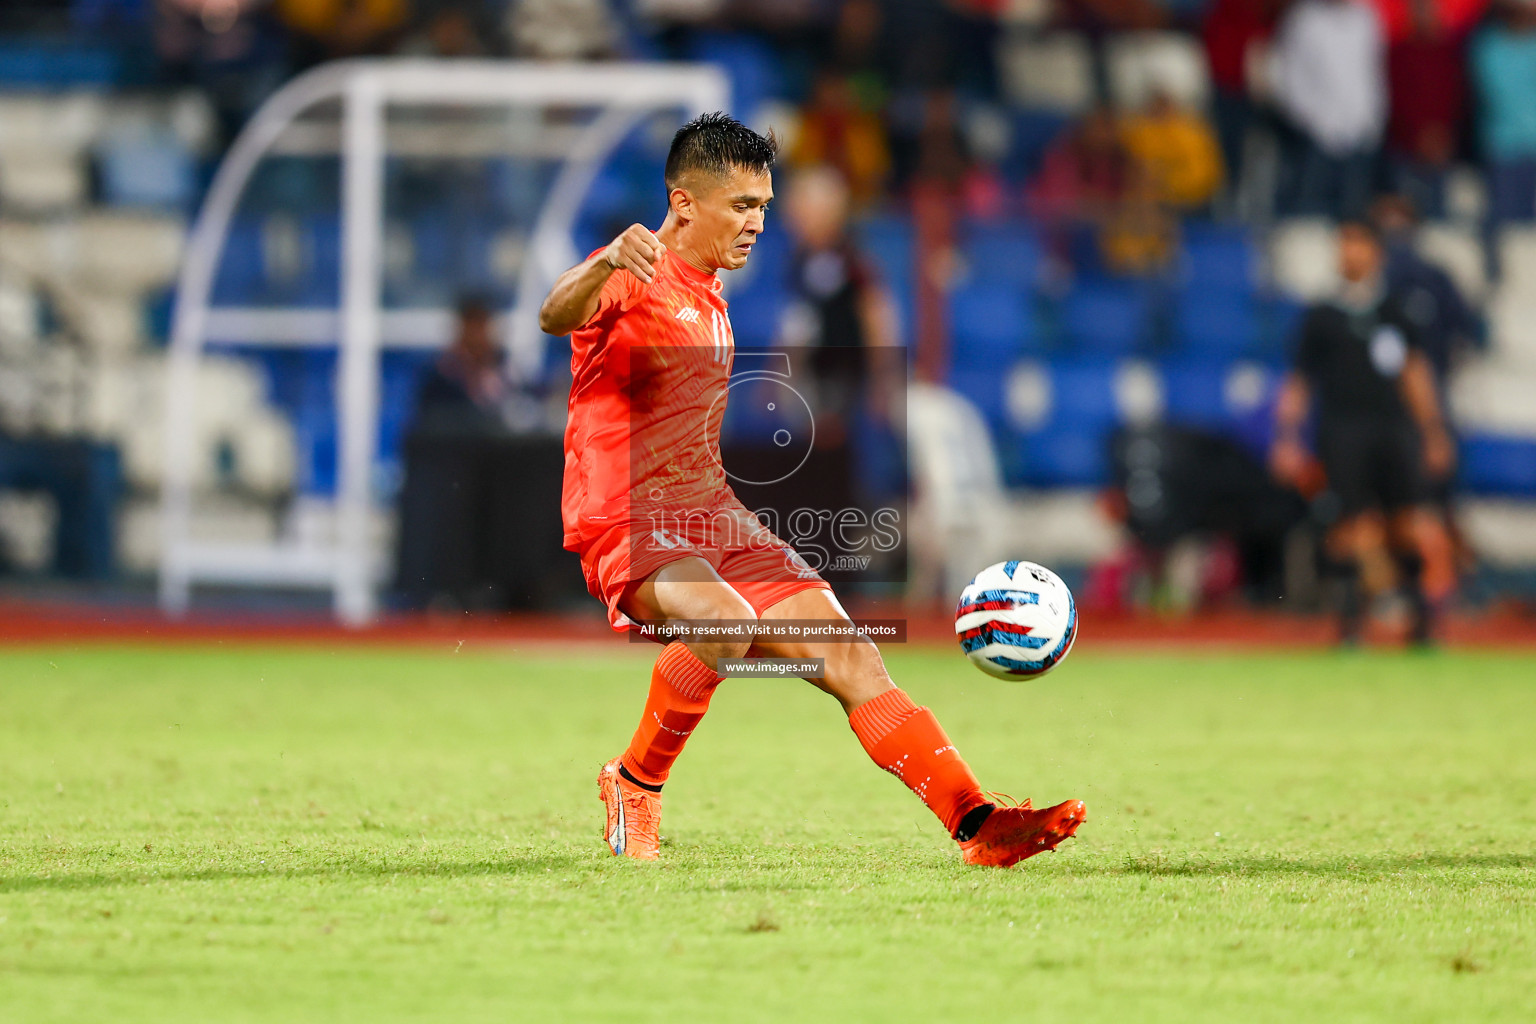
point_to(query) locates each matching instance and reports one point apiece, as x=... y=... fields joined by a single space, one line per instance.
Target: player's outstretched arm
x=574 y=298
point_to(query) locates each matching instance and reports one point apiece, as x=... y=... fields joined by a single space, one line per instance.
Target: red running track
x=32 y=624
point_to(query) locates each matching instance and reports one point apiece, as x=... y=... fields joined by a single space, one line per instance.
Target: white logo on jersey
x=1389 y=350
x=725 y=339
x=688 y=315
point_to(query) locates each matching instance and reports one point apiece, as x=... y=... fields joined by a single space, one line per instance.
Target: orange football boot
x=634 y=815
x=1012 y=833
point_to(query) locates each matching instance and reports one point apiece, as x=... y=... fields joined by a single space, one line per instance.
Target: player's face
x=730 y=216
x=1359 y=254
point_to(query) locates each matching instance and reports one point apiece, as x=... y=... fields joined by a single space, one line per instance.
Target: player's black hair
x=473 y=303
x=1387 y=203
x=714 y=143
x=1362 y=225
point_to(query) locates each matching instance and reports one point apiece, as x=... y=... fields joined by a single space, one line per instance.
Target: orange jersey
x=649 y=373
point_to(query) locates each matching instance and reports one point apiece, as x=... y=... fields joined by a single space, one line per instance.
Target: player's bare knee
x=855 y=673
x=860 y=658
x=713 y=653
x=734 y=619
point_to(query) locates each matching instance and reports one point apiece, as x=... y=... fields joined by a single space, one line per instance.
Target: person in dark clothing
x=1447 y=326
x=1379 y=435
x=843 y=314
x=466 y=387
x=475 y=531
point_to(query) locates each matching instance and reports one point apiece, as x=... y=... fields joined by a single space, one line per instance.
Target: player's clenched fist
x=576 y=295
x=636 y=251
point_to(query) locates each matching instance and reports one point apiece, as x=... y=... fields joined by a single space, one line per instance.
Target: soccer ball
x=1015 y=620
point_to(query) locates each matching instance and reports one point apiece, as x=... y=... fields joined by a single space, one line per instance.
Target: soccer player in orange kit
x=661 y=535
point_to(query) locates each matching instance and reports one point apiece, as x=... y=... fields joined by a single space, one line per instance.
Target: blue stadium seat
x=758 y=300
x=303 y=385
x=320 y=285
x=991 y=325
x=880 y=458
x=986 y=390
x=1061 y=458
x=1281 y=327
x=314 y=434
x=1234 y=398
x=1195 y=393
x=887 y=242
x=400 y=378
x=241 y=279
x=431 y=251
x=451 y=255
x=1070 y=447
x=612 y=196
x=1006 y=252
x=480 y=273
x=755 y=313
x=1106 y=317
x=1083 y=393
x=33 y=63
x=1497 y=465
x=296 y=185
x=147 y=170
x=1216 y=322
x=517 y=188
x=642 y=155
x=1033 y=133
x=589 y=235
x=122 y=17
x=1219 y=258
x=751 y=64
x=283 y=369
x=771 y=261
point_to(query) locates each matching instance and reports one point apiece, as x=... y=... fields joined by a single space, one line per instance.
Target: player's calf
x=682 y=682
x=907 y=741
x=681 y=686
x=855 y=673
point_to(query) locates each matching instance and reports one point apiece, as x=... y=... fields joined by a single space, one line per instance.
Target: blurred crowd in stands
x=1298 y=107
x=1357 y=95
x=1090 y=198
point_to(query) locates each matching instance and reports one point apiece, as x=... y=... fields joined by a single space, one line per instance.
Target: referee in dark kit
x=1379 y=435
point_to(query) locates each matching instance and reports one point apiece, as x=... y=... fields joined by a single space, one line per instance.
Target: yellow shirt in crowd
x=1179 y=153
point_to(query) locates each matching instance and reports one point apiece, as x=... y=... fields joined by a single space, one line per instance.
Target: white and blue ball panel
x=1016 y=619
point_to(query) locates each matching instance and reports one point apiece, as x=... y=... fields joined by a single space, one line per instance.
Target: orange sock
x=681 y=686
x=908 y=742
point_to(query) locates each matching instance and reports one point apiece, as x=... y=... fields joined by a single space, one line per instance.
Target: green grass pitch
x=289 y=834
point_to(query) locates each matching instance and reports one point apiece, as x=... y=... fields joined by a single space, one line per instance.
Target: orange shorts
x=758 y=565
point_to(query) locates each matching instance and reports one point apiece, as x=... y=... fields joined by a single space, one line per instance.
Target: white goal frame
x=348 y=566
